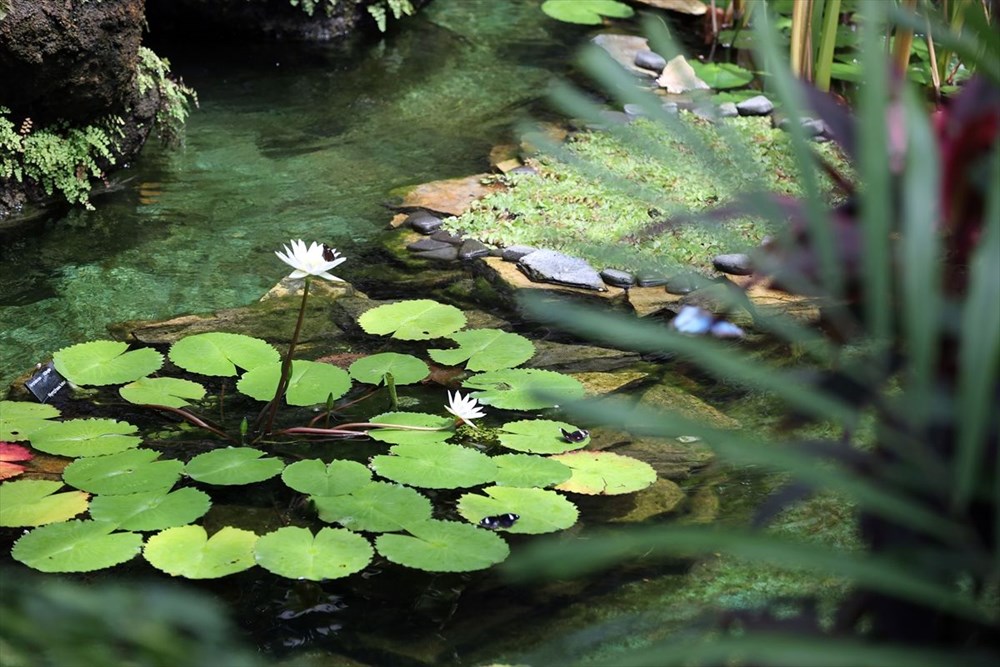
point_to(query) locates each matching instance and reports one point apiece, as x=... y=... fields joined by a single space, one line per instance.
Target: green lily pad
x=377 y=507
x=76 y=546
x=233 y=465
x=528 y=470
x=402 y=436
x=221 y=354
x=153 y=510
x=405 y=368
x=435 y=465
x=315 y=478
x=33 y=502
x=19 y=419
x=539 y=511
x=172 y=392
x=486 y=350
x=605 y=473
x=132 y=471
x=586 y=12
x=721 y=75
x=295 y=553
x=444 y=546
x=187 y=551
x=522 y=388
x=309 y=383
x=539 y=436
x=85 y=437
x=101 y=362
x=418 y=319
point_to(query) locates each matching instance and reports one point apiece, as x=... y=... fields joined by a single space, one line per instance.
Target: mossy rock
x=670 y=458
x=673 y=399
x=663 y=496
x=602 y=384
x=565 y=358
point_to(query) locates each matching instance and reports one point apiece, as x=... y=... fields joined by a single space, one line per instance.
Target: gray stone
x=617 y=278
x=549 y=266
x=515 y=252
x=813 y=127
x=471 y=249
x=447 y=254
x=565 y=358
x=651 y=280
x=423 y=222
x=755 y=106
x=735 y=264
x=728 y=110
x=427 y=244
x=445 y=236
x=680 y=284
x=650 y=60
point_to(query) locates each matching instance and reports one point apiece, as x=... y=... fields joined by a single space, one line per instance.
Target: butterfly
x=697 y=321
x=329 y=254
x=498 y=521
x=575 y=436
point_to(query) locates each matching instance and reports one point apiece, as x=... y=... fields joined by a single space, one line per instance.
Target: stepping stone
x=755 y=106
x=736 y=264
x=515 y=252
x=651 y=280
x=446 y=254
x=445 y=236
x=681 y=284
x=650 y=60
x=617 y=278
x=471 y=249
x=424 y=222
x=549 y=266
x=427 y=244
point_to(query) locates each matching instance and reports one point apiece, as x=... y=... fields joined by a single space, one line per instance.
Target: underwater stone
x=471 y=249
x=449 y=253
x=424 y=222
x=755 y=106
x=516 y=252
x=445 y=236
x=735 y=264
x=650 y=60
x=617 y=278
x=427 y=244
x=555 y=267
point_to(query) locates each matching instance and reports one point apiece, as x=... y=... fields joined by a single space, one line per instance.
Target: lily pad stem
x=197 y=421
x=286 y=366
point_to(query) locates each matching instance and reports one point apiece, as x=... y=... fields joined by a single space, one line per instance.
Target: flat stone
x=471 y=249
x=758 y=105
x=618 y=278
x=509 y=281
x=448 y=253
x=650 y=60
x=445 y=236
x=685 y=404
x=566 y=358
x=735 y=264
x=424 y=222
x=555 y=267
x=624 y=48
x=651 y=280
x=596 y=383
x=515 y=252
x=663 y=496
x=680 y=284
x=648 y=300
x=728 y=110
x=451 y=196
x=427 y=244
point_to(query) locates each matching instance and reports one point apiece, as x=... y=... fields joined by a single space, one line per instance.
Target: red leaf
x=11 y=452
x=8 y=470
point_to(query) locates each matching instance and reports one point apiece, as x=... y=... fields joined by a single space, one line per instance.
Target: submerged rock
x=566 y=358
x=451 y=196
x=674 y=399
x=555 y=267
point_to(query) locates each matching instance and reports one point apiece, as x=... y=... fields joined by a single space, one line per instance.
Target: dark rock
x=650 y=60
x=617 y=278
x=471 y=249
x=736 y=264
x=555 y=267
x=423 y=222
x=516 y=252
x=427 y=244
x=755 y=106
x=524 y=169
x=449 y=253
x=681 y=284
x=651 y=280
x=445 y=236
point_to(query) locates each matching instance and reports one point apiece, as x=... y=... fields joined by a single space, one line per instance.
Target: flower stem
x=286 y=367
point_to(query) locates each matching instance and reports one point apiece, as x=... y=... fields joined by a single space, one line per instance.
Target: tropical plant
x=908 y=266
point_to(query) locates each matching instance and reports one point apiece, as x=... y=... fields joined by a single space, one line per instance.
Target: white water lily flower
x=316 y=260
x=465 y=408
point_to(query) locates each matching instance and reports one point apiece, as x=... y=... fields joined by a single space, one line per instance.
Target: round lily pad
x=101 y=362
x=539 y=436
x=401 y=436
x=377 y=507
x=539 y=511
x=233 y=465
x=528 y=470
x=187 y=551
x=9 y=455
x=132 y=471
x=315 y=478
x=486 y=350
x=418 y=319
x=523 y=388
x=722 y=75
x=19 y=419
x=153 y=510
x=76 y=546
x=435 y=465
x=221 y=354
x=33 y=502
x=172 y=392
x=405 y=368
x=295 y=553
x=605 y=473
x=309 y=383
x=586 y=12
x=85 y=437
x=444 y=546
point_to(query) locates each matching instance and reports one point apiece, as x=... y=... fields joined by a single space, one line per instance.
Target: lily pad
x=295 y=553
x=233 y=465
x=153 y=510
x=133 y=471
x=187 y=551
x=377 y=507
x=605 y=473
x=172 y=392
x=221 y=354
x=309 y=383
x=486 y=350
x=586 y=12
x=539 y=511
x=76 y=546
x=19 y=419
x=33 y=502
x=722 y=75
x=435 y=466
x=85 y=437
x=444 y=546
x=9 y=454
x=539 y=436
x=418 y=319
x=402 y=436
x=405 y=368
x=101 y=362
x=528 y=470
x=523 y=388
x=315 y=478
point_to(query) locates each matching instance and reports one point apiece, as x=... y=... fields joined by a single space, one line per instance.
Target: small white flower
x=465 y=408
x=316 y=260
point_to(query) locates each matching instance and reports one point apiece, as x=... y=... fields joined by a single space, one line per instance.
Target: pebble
x=516 y=252
x=736 y=264
x=424 y=222
x=755 y=106
x=471 y=249
x=427 y=244
x=650 y=60
x=617 y=278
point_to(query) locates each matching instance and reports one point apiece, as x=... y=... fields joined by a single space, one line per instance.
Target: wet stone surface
x=555 y=267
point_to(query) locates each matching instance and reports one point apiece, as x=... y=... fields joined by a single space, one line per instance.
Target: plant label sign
x=45 y=383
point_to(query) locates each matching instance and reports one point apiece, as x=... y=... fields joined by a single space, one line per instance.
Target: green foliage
x=315 y=478
x=528 y=470
x=172 y=392
x=233 y=465
x=152 y=510
x=19 y=419
x=398 y=8
x=586 y=12
x=102 y=362
x=523 y=388
x=719 y=76
x=443 y=546
x=539 y=511
x=539 y=436
x=435 y=466
x=486 y=350
x=221 y=354
x=188 y=551
x=377 y=507
x=412 y=419
x=76 y=546
x=418 y=319
x=174 y=98
x=297 y=554
x=132 y=471
x=404 y=368
x=604 y=473
x=85 y=437
x=33 y=502
x=310 y=382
